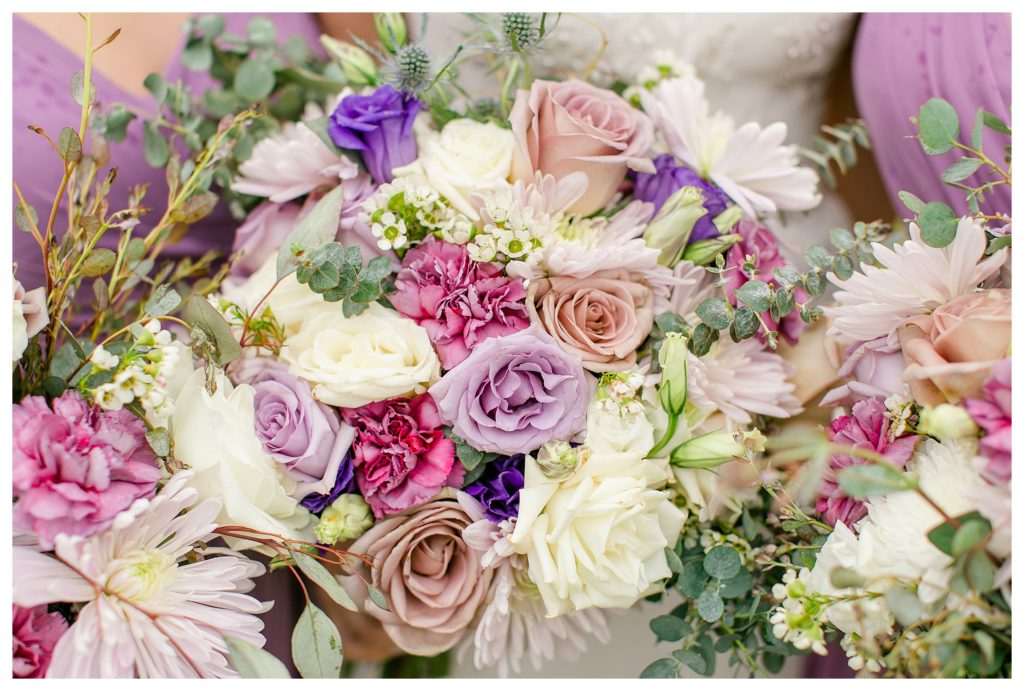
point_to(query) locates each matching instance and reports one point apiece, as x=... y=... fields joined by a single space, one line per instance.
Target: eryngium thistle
x=520 y=30
x=410 y=70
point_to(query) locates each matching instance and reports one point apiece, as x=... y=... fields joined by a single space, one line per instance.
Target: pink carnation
x=992 y=413
x=36 y=633
x=759 y=241
x=401 y=455
x=867 y=428
x=77 y=466
x=459 y=302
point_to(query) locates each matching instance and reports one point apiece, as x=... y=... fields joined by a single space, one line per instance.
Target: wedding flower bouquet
x=486 y=370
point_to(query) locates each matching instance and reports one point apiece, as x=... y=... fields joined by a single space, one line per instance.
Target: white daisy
x=750 y=163
x=913 y=280
x=147 y=611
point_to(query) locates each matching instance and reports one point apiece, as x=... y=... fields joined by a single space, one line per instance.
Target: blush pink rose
x=563 y=127
x=602 y=318
x=432 y=580
x=950 y=352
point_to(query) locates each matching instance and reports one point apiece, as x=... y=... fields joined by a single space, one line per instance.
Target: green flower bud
x=727 y=219
x=671 y=228
x=707 y=451
x=346 y=519
x=559 y=460
x=704 y=251
x=357 y=65
x=947 y=421
x=391 y=30
x=674 y=359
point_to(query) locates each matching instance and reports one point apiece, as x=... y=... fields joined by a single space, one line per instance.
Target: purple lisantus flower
x=497 y=489
x=671 y=176
x=379 y=127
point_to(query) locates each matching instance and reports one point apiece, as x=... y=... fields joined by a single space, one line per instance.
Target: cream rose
x=352 y=361
x=610 y=510
x=214 y=435
x=29 y=317
x=464 y=157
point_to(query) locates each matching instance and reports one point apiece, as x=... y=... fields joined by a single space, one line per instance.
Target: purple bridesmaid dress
x=902 y=60
x=42 y=71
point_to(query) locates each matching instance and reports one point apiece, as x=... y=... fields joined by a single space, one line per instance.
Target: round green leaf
x=669 y=628
x=842 y=267
x=693 y=579
x=937 y=126
x=212 y=25
x=757 y=295
x=710 y=606
x=964 y=168
x=818 y=257
x=722 y=562
x=261 y=32
x=737 y=586
x=254 y=81
x=197 y=55
x=100 y=261
x=714 y=312
x=841 y=238
x=938 y=224
x=154 y=146
x=744 y=324
x=912 y=202
x=665 y=668
x=692 y=659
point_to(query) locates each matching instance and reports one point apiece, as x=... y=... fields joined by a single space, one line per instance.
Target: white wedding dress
x=757 y=67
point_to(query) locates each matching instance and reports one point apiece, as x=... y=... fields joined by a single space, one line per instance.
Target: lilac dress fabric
x=902 y=60
x=42 y=70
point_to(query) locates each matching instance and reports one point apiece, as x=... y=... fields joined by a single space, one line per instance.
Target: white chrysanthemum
x=750 y=163
x=290 y=164
x=742 y=379
x=148 y=612
x=913 y=280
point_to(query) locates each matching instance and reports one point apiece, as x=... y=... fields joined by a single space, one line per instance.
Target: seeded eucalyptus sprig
x=837 y=147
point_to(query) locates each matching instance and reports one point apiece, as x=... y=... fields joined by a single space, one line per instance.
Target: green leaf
x=201 y=315
x=914 y=204
x=26 y=219
x=818 y=257
x=744 y=324
x=319 y=574
x=156 y=85
x=872 y=480
x=757 y=295
x=100 y=261
x=710 y=606
x=154 y=146
x=737 y=586
x=785 y=302
x=160 y=441
x=163 y=301
x=814 y=283
x=316 y=645
x=999 y=243
x=261 y=32
x=787 y=275
x=670 y=322
x=937 y=126
x=938 y=224
x=995 y=123
x=904 y=604
x=968 y=535
x=942 y=537
x=78 y=86
x=722 y=562
x=665 y=668
x=212 y=25
x=319 y=126
x=115 y=125
x=842 y=267
x=702 y=340
x=317 y=228
x=980 y=572
x=69 y=145
x=675 y=564
x=54 y=386
x=962 y=169
x=254 y=663
x=773 y=662
x=669 y=628
x=254 y=80
x=977 y=131
x=693 y=578
x=691 y=659
x=197 y=55
x=378 y=598
x=715 y=313
x=841 y=238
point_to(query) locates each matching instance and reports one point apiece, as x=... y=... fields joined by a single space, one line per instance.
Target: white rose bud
x=346 y=519
x=947 y=421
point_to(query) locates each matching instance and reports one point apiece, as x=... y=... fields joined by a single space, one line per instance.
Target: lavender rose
x=379 y=126
x=432 y=580
x=563 y=127
x=514 y=393
x=671 y=176
x=304 y=435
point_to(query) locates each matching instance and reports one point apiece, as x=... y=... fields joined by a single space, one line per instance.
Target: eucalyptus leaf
x=156 y=85
x=160 y=441
x=319 y=574
x=757 y=295
x=201 y=315
x=378 y=598
x=163 y=301
x=692 y=659
x=938 y=126
x=254 y=80
x=197 y=55
x=693 y=579
x=100 y=261
x=254 y=663
x=710 y=606
x=702 y=340
x=995 y=123
x=722 y=562
x=26 y=219
x=69 y=145
x=316 y=645
x=962 y=169
x=78 y=86
x=872 y=480
x=154 y=146
x=669 y=628
x=744 y=324
x=914 y=204
x=938 y=223
x=714 y=312
x=664 y=668
x=316 y=229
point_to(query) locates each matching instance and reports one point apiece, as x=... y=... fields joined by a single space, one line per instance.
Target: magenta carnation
x=460 y=302
x=992 y=414
x=77 y=466
x=36 y=633
x=401 y=455
x=760 y=242
x=867 y=428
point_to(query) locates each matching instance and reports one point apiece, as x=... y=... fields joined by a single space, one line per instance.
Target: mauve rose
x=992 y=412
x=36 y=633
x=459 y=302
x=261 y=235
x=873 y=368
x=950 y=351
x=307 y=437
x=602 y=318
x=432 y=580
x=379 y=127
x=671 y=176
x=867 y=427
x=514 y=393
x=759 y=241
x=401 y=455
x=564 y=127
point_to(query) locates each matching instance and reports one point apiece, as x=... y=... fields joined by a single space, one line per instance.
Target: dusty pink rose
x=33 y=305
x=77 y=466
x=459 y=302
x=602 y=318
x=432 y=580
x=562 y=127
x=949 y=352
x=401 y=455
x=761 y=242
x=872 y=368
x=36 y=633
x=992 y=412
x=866 y=428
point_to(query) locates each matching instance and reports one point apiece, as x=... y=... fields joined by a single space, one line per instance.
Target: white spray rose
x=29 y=317
x=598 y=537
x=214 y=435
x=464 y=157
x=352 y=361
